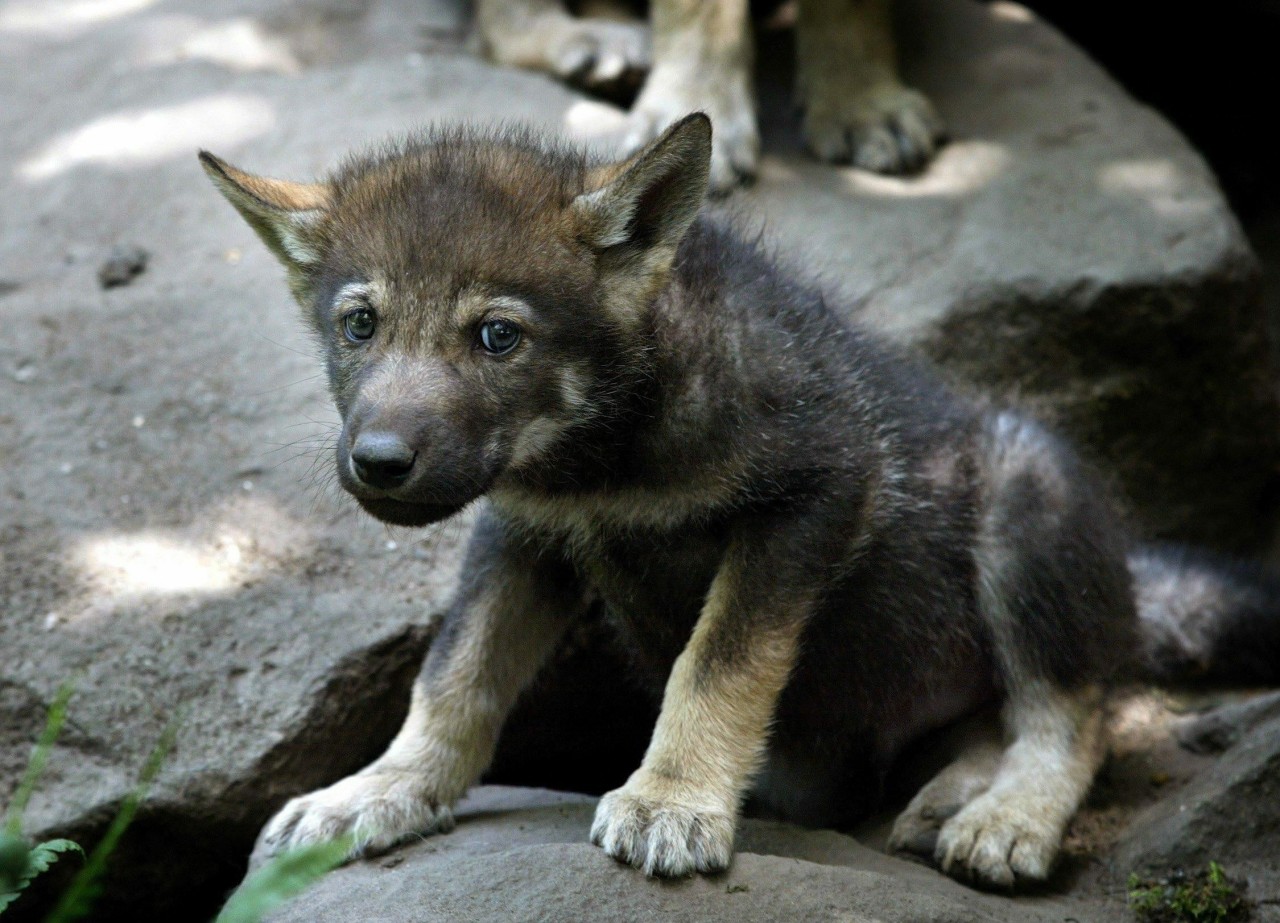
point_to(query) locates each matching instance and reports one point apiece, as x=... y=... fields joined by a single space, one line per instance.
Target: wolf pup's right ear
x=287 y=216
x=638 y=211
x=653 y=197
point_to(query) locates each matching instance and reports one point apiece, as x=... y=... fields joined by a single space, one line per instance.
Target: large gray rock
x=168 y=532
x=522 y=854
x=1228 y=814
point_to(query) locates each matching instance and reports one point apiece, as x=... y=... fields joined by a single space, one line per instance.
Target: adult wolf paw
x=886 y=127
x=599 y=55
x=379 y=809
x=996 y=841
x=668 y=834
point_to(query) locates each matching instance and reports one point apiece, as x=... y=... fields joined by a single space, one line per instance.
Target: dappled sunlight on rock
x=593 y=121
x=961 y=168
x=1158 y=182
x=52 y=17
x=242 y=45
x=146 y=136
x=1005 y=11
x=239 y=542
x=1138 y=721
x=157 y=564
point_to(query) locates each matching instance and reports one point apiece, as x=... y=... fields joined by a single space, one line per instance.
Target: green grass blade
x=39 y=756
x=77 y=900
x=281 y=879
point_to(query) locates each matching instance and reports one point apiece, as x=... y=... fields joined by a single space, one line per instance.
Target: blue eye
x=499 y=337
x=359 y=324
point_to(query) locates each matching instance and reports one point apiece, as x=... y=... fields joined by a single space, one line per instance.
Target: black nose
x=382 y=460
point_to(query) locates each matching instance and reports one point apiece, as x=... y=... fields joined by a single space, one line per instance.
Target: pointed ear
x=285 y=215
x=649 y=201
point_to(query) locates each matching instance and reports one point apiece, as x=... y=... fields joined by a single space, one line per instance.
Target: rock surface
x=522 y=854
x=1229 y=814
x=169 y=537
x=1067 y=250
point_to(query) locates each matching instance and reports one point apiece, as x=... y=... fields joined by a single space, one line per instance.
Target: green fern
x=21 y=862
x=1204 y=897
x=77 y=901
x=36 y=860
x=281 y=879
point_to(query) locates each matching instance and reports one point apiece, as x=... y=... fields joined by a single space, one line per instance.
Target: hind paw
x=997 y=842
x=916 y=829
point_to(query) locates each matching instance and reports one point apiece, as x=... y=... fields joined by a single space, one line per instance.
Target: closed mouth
x=406 y=513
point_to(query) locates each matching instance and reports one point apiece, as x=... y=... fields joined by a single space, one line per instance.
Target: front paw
x=377 y=809
x=886 y=127
x=664 y=829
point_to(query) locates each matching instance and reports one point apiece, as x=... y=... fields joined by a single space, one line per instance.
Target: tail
x=1204 y=618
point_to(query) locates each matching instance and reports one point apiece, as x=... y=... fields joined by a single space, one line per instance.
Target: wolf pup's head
x=472 y=293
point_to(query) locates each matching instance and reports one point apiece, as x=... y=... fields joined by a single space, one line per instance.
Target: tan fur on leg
x=1013 y=830
x=459 y=704
x=676 y=814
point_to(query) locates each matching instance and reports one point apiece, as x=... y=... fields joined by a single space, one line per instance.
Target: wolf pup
x=814 y=551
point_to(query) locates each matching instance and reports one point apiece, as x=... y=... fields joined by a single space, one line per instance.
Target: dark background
x=1211 y=69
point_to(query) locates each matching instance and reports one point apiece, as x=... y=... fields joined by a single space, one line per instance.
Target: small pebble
x=247 y=485
x=51 y=621
x=123 y=266
x=66 y=467
x=392 y=546
x=138 y=421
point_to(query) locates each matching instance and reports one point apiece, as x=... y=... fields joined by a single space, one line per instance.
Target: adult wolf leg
x=702 y=59
x=856 y=107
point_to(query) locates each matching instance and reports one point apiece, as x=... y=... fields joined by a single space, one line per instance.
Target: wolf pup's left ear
x=650 y=200
x=285 y=215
